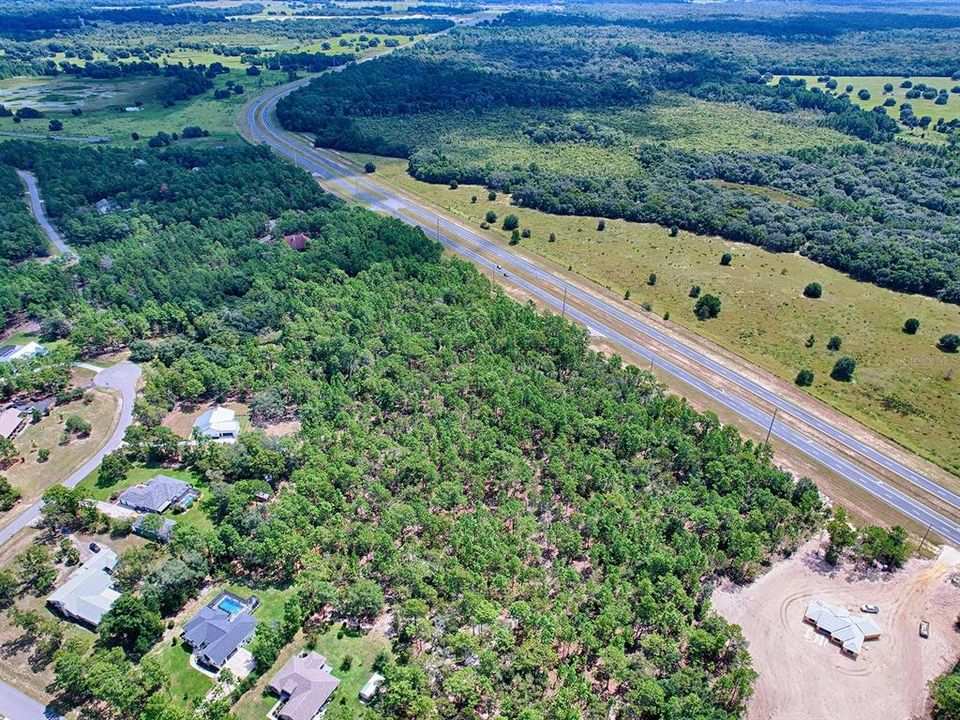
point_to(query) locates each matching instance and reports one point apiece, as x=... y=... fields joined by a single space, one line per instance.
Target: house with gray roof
x=88 y=593
x=215 y=635
x=304 y=685
x=157 y=494
x=843 y=628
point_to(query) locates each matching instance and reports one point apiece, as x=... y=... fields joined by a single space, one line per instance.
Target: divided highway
x=261 y=125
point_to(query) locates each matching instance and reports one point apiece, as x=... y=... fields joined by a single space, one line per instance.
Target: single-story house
x=371 y=687
x=304 y=685
x=144 y=527
x=88 y=593
x=10 y=353
x=40 y=406
x=11 y=420
x=157 y=494
x=846 y=630
x=105 y=206
x=219 y=423
x=214 y=634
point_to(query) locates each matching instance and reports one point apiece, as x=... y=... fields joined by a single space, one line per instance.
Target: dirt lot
x=805 y=677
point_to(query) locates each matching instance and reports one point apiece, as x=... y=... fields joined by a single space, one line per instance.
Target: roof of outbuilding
x=849 y=630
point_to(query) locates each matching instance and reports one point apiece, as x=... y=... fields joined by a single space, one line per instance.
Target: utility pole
x=920 y=549
x=770 y=429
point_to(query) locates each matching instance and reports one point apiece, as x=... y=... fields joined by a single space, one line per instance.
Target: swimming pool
x=230 y=606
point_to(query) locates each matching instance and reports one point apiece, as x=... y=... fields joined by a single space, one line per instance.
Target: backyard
x=336 y=646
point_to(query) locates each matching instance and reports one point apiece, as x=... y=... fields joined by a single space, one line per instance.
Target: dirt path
x=805 y=677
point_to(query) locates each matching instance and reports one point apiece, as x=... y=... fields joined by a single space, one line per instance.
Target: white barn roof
x=218 y=422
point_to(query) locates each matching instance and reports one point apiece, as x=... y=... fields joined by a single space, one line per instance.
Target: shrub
x=813 y=290
x=652 y=279
x=76 y=425
x=844 y=368
x=55 y=125
x=707 y=307
x=949 y=343
x=453 y=185
x=810 y=341
x=695 y=291
x=552 y=238
x=726 y=259
x=473 y=199
x=491 y=196
x=834 y=343
x=626 y=294
x=43 y=454
x=511 y=222
x=674 y=230
x=525 y=233
x=491 y=216
x=602 y=225
x=134 y=136
x=911 y=325
x=193 y=131
x=369 y=168
x=515 y=237
x=804 y=378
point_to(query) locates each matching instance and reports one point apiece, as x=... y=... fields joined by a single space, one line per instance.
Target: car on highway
x=874 y=609
x=924 y=629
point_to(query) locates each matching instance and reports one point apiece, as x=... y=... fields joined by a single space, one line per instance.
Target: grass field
x=501 y=137
x=874 y=84
x=362 y=649
x=32 y=477
x=900 y=387
x=102 y=102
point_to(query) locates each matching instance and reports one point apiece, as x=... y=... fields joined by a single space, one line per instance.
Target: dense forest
x=883 y=211
x=545 y=523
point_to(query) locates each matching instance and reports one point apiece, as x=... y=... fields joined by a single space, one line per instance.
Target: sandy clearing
x=804 y=677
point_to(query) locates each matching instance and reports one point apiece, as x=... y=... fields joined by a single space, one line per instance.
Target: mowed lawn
x=361 y=649
x=189 y=685
x=31 y=476
x=900 y=388
x=194 y=517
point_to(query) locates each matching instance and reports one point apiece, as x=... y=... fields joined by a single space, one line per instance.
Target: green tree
x=842 y=536
x=695 y=291
x=804 y=378
x=362 y=600
x=949 y=343
x=843 y=369
x=834 y=343
x=491 y=216
x=36 y=569
x=510 y=222
x=946 y=697
x=706 y=307
x=726 y=259
x=911 y=326
x=131 y=624
x=113 y=468
x=813 y=290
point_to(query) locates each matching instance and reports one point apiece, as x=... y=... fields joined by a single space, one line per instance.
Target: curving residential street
x=36 y=208
x=628 y=331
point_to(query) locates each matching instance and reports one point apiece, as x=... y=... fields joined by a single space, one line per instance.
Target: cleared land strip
x=546 y=286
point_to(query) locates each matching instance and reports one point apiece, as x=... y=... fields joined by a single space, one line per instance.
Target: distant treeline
x=44 y=22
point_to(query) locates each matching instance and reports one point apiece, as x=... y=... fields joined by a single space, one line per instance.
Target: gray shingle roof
x=306 y=683
x=215 y=635
x=156 y=495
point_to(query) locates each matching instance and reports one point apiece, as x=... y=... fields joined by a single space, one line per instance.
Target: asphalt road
x=262 y=126
x=36 y=207
x=122 y=377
